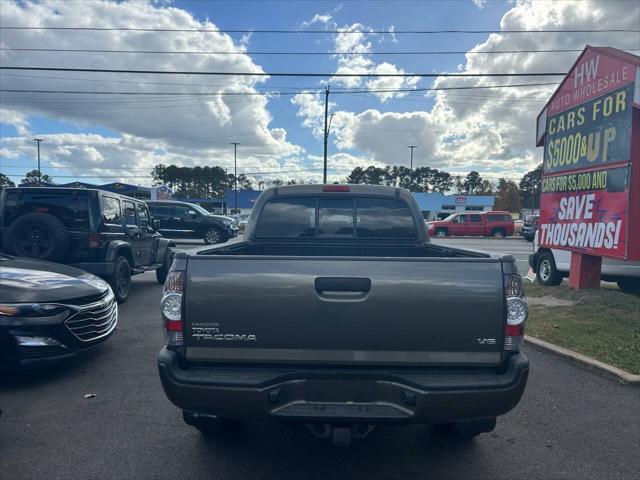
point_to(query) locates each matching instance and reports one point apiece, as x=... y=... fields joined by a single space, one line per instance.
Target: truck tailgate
x=357 y=311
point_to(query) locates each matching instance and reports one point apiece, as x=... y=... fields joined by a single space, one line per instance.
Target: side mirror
x=156 y=224
x=192 y=213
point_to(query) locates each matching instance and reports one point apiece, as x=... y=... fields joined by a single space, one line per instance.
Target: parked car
x=552 y=265
x=188 y=220
x=50 y=312
x=530 y=227
x=517 y=226
x=104 y=233
x=484 y=224
x=242 y=221
x=350 y=317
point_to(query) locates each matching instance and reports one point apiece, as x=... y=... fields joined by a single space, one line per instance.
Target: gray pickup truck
x=334 y=310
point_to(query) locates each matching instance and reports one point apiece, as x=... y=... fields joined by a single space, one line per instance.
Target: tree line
x=214 y=182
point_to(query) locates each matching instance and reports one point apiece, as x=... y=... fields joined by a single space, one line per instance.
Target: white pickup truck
x=551 y=266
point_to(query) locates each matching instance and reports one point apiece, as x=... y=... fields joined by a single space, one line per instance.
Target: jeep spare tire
x=38 y=235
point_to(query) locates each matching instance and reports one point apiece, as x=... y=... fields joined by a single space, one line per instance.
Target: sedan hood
x=26 y=280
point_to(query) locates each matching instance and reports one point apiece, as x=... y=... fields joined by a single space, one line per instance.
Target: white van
x=551 y=266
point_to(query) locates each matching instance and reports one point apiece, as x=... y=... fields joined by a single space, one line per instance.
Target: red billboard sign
x=588 y=136
x=586 y=211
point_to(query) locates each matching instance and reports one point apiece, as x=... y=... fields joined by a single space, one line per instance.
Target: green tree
x=507 y=196
x=357 y=176
x=472 y=182
x=5 y=181
x=485 y=188
x=530 y=185
x=34 y=177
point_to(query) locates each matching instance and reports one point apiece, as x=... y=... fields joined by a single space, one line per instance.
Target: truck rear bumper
x=344 y=394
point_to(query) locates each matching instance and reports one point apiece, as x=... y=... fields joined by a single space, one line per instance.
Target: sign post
x=590 y=130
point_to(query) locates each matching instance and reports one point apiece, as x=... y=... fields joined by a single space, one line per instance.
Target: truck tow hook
x=341 y=435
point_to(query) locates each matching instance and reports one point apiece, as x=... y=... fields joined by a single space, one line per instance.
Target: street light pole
x=38 y=140
x=326 y=132
x=235 y=175
x=411 y=148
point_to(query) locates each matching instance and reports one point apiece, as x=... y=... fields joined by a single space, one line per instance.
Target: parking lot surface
x=571 y=424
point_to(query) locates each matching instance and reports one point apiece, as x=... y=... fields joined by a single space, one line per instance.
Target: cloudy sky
x=191 y=119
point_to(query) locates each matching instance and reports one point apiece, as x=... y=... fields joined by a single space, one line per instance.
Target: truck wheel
x=546 y=272
x=498 y=233
x=441 y=232
x=209 y=425
x=629 y=285
x=121 y=279
x=163 y=271
x=38 y=235
x=212 y=235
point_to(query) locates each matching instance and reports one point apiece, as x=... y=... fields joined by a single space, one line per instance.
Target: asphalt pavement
x=570 y=424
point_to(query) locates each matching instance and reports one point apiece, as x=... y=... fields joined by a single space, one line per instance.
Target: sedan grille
x=94 y=320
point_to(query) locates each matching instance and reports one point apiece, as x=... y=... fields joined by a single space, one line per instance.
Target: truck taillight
x=95 y=240
x=517 y=312
x=171 y=308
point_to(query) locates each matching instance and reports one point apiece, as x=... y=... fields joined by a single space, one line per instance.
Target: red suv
x=485 y=224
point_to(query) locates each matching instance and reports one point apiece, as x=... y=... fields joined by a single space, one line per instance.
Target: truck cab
x=483 y=224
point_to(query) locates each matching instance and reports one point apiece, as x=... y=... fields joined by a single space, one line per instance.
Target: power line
x=304 y=53
x=328 y=31
x=286 y=74
x=301 y=92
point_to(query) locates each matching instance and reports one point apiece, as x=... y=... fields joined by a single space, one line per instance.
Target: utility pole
x=411 y=148
x=326 y=132
x=38 y=140
x=235 y=175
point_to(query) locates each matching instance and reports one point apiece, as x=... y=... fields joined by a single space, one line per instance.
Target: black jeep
x=104 y=233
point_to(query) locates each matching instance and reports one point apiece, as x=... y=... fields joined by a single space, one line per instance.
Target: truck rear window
x=289 y=217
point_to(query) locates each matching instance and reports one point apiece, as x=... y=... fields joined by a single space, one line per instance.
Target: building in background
x=436 y=206
x=246 y=199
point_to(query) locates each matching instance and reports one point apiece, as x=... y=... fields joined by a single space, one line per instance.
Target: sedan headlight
x=30 y=309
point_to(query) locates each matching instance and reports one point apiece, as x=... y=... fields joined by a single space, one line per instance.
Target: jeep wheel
x=209 y=425
x=629 y=285
x=121 y=280
x=163 y=271
x=38 y=235
x=213 y=235
x=498 y=233
x=441 y=232
x=546 y=272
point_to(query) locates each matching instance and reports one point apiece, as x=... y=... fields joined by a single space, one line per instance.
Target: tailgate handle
x=342 y=284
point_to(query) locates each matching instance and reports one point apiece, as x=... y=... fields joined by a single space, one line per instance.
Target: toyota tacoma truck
x=334 y=310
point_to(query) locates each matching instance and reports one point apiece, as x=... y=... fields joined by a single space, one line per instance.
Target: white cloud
x=355 y=39
x=480 y=3
x=196 y=128
x=491 y=130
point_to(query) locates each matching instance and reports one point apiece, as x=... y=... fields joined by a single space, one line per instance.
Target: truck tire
x=208 y=425
x=546 y=271
x=498 y=233
x=441 y=232
x=38 y=235
x=121 y=279
x=629 y=285
x=163 y=271
x=213 y=235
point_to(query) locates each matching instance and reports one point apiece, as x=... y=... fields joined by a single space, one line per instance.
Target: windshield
x=450 y=218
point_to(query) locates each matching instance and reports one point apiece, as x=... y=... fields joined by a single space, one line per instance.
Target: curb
x=589 y=363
